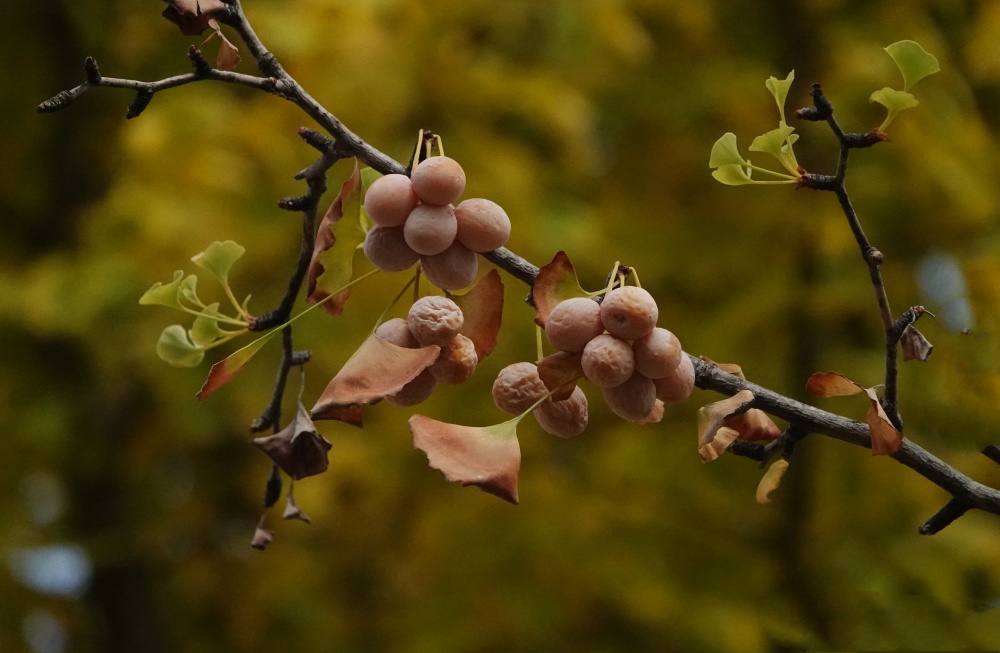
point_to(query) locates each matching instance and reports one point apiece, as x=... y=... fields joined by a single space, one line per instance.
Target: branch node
x=198 y=60
x=873 y=255
x=316 y=140
x=858 y=141
x=260 y=424
x=819 y=182
x=295 y=204
x=944 y=517
x=301 y=357
x=824 y=108
x=92 y=71
x=139 y=103
x=751 y=450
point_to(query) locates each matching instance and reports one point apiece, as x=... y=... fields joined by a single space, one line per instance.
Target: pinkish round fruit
x=438 y=180
x=387 y=250
x=430 y=229
x=573 y=323
x=482 y=225
x=657 y=353
x=454 y=268
x=517 y=388
x=397 y=332
x=434 y=320
x=390 y=199
x=629 y=312
x=632 y=400
x=564 y=419
x=679 y=384
x=456 y=362
x=416 y=391
x=607 y=361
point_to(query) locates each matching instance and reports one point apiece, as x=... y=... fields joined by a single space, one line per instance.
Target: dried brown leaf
x=378 y=368
x=559 y=372
x=886 y=440
x=192 y=16
x=298 y=449
x=261 y=538
x=771 y=480
x=753 y=426
x=482 y=307
x=655 y=415
x=337 y=238
x=832 y=384
x=915 y=346
x=554 y=283
x=292 y=510
x=229 y=55
x=488 y=457
x=713 y=437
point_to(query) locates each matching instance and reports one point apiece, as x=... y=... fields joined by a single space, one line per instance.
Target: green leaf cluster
x=732 y=169
x=186 y=347
x=914 y=63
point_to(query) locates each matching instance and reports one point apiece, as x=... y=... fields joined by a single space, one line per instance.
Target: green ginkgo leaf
x=913 y=61
x=893 y=100
x=189 y=289
x=732 y=174
x=779 y=89
x=725 y=152
x=773 y=141
x=205 y=329
x=164 y=294
x=219 y=257
x=175 y=347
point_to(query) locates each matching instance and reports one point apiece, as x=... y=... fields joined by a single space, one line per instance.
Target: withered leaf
x=555 y=282
x=915 y=346
x=886 y=440
x=655 y=415
x=192 y=16
x=226 y=370
x=482 y=306
x=261 y=538
x=753 y=426
x=229 y=55
x=713 y=437
x=292 y=510
x=298 y=449
x=339 y=234
x=559 y=372
x=378 y=368
x=832 y=384
x=771 y=480
x=488 y=457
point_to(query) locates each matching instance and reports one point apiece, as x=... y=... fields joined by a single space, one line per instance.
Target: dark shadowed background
x=126 y=505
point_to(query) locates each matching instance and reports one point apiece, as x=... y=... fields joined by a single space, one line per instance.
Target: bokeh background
x=127 y=506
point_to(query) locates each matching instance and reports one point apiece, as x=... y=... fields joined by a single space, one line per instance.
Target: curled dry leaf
x=713 y=437
x=559 y=372
x=488 y=457
x=753 y=426
x=337 y=238
x=378 y=368
x=555 y=282
x=915 y=346
x=298 y=449
x=482 y=307
x=261 y=538
x=229 y=55
x=292 y=510
x=655 y=415
x=192 y=16
x=771 y=480
x=886 y=440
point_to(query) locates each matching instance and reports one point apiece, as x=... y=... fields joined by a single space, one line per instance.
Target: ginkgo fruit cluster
x=622 y=351
x=416 y=219
x=518 y=387
x=431 y=320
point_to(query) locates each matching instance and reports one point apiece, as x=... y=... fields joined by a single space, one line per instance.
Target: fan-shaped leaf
x=175 y=347
x=205 y=329
x=339 y=234
x=219 y=257
x=161 y=294
x=771 y=480
x=482 y=306
x=913 y=61
x=555 y=282
x=831 y=384
x=713 y=437
x=779 y=89
x=772 y=142
x=725 y=152
x=732 y=175
x=488 y=457
x=226 y=370
x=378 y=368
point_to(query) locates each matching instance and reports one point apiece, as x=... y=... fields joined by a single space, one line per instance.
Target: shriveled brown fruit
x=517 y=388
x=434 y=320
x=456 y=362
x=416 y=391
x=607 y=361
x=564 y=419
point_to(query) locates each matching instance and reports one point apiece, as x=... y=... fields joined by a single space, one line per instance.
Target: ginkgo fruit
x=416 y=391
x=397 y=332
x=632 y=400
x=518 y=387
x=390 y=199
x=678 y=384
x=430 y=229
x=629 y=312
x=607 y=361
x=482 y=225
x=454 y=268
x=438 y=180
x=387 y=250
x=565 y=419
x=456 y=362
x=657 y=353
x=435 y=320
x=573 y=323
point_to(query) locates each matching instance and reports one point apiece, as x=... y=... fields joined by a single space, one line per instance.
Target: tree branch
x=804 y=419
